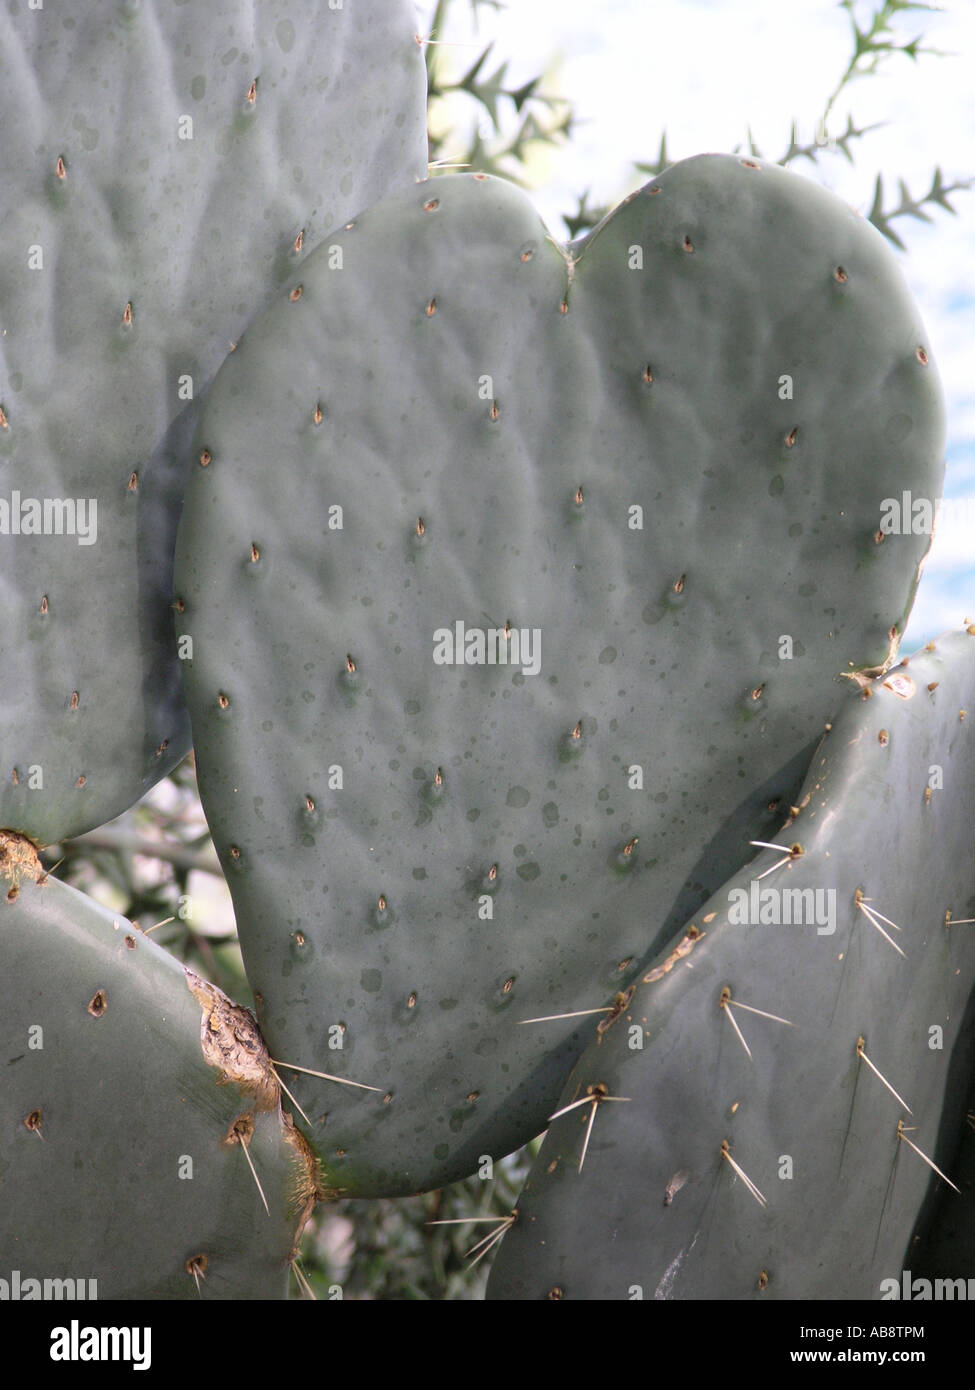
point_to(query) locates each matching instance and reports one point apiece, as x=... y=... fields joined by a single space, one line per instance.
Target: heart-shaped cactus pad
x=520 y=582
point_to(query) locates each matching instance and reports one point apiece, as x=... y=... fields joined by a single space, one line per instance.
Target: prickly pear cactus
x=519 y=584
x=760 y=1118
x=142 y=1141
x=943 y=1246
x=163 y=165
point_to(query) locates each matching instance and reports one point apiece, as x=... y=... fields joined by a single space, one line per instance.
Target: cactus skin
x=943 y=1246
x=156 y=249
x=844 y=1221
x=486 y=415
x=139 y=1067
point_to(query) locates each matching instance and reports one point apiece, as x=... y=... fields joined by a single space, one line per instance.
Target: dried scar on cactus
x=18 y=859
x=232 y=1043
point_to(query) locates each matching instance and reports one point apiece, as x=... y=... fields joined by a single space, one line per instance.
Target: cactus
x=784 y=1092
x=163 y=166
x=142 y=1141
x=944 y=1240
x=647 y=473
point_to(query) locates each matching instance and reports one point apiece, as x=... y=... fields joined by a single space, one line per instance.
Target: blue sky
x=707 y=69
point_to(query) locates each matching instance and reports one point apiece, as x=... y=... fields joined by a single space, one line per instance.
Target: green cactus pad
x=943 y=1245
x=664 y=460
x=163 y=166
x=853 y=936
x=131 y=1090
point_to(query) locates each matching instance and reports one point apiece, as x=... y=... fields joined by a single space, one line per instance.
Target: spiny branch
x=912 y=207
x=876 y=43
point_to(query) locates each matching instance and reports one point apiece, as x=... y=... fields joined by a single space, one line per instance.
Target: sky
x=706 y=70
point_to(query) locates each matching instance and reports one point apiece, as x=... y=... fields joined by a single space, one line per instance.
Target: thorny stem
x=125 y=842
